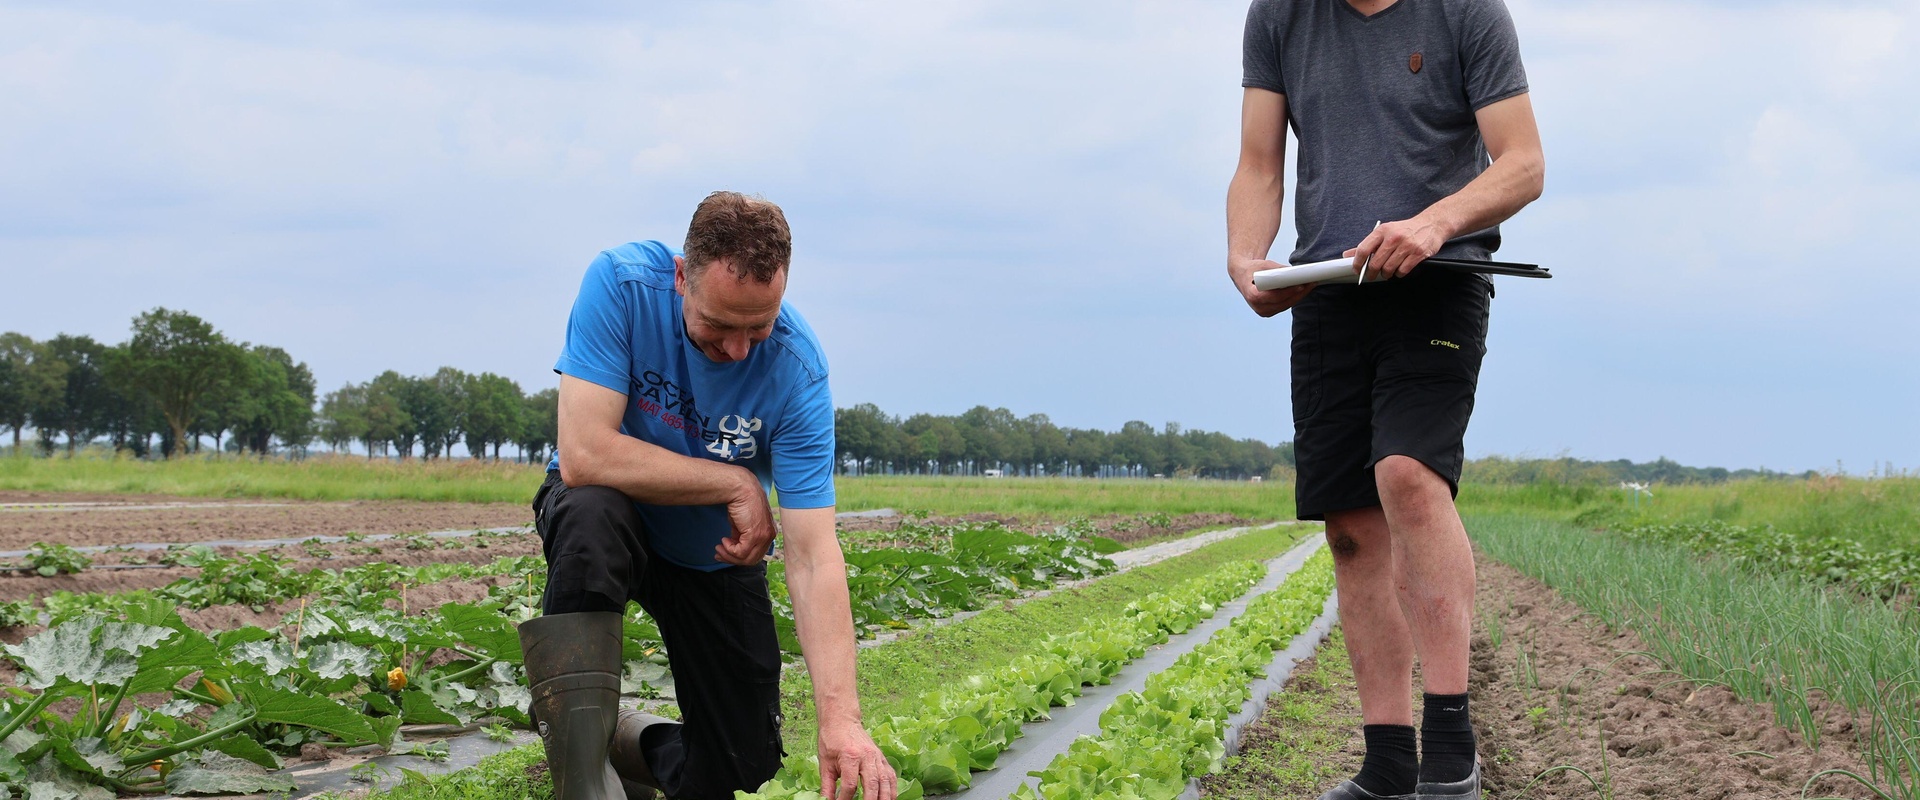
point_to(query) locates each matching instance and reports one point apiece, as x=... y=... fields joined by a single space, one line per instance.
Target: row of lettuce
x=120 y=694
x=1151 y=742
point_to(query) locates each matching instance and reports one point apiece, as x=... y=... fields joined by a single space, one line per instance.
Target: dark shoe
x=1467 y=788
x=625 y=754
x=1352 y=791
x=573 y=668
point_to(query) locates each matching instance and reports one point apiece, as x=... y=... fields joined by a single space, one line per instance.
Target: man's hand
x=850 y=759
x=1395 y=248
x=752 y=525
x=1265 y=302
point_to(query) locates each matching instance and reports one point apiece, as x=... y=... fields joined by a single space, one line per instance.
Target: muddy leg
x=1378 y=643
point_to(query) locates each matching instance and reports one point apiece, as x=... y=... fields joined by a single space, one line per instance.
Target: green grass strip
x=1770 y=638
x=517 y=774
x=1152 y=741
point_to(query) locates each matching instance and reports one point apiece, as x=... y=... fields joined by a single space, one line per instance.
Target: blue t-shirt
x=770 y=412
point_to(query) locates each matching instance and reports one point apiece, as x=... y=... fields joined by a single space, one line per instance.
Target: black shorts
x=1381 y=370
x=717 y=626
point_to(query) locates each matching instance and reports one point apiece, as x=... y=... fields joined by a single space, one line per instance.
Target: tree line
x=1568 y=470
x=871 y=441
x=178 y=381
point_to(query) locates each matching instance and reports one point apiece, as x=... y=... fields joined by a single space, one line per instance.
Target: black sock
x=1446 y=739
x=1391 y=765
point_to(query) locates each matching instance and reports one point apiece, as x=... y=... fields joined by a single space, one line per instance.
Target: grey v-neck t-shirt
x=1383 y=108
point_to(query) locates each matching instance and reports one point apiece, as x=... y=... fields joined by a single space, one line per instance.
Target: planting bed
x=1549 y=683
x=200 y=519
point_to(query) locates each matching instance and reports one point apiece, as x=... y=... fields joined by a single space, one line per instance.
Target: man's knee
x=1401 y=478
x=1342 y=544
x=588 y=516
x=1358 y=534
x=591 y=554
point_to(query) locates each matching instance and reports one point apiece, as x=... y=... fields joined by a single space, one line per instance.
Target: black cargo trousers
x=717 y=626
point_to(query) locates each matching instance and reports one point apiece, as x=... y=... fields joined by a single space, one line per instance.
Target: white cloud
x=1001 y=203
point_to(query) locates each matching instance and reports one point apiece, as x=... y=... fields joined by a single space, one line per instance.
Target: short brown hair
x=746 y=231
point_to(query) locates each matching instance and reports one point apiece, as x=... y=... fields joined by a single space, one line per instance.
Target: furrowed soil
x=200 y=520
x=17 y=585
x=1584 y=696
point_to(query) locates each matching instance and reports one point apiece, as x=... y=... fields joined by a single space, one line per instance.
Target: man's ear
x=680 y=275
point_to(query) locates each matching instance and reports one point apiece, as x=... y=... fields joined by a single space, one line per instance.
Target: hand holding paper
x=1263 y=302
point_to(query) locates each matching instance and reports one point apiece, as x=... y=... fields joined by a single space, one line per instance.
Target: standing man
x=1398 y=107
x=687 y=389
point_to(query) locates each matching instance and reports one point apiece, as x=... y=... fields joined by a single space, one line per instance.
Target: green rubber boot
x=573 y=667
x=627 y=759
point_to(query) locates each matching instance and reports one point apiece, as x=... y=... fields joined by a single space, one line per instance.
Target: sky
x=1012 y=204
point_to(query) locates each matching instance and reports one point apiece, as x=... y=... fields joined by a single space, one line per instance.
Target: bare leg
x=1433 y=570
x=1378 y=642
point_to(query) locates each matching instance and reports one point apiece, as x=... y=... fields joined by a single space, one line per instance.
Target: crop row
x=1886 y=574
x=1154 y=740
x=351 y=666
x=965 y=728
x=344 y=678
x=959 y=568
x=1771 y=638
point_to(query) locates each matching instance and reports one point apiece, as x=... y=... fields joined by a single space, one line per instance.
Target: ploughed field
x=1617 y=653
x=201 y=647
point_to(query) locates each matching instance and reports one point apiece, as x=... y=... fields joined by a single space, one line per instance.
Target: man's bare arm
x=593 y=452
x=823 y=618
x=1516 y=178
x=1254 y=199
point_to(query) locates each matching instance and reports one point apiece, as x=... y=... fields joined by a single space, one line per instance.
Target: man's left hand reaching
x=1395 y=248
x=849 y=760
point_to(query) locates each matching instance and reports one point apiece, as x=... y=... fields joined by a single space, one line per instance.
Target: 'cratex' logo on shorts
x=736 y=438
x=1444 y=343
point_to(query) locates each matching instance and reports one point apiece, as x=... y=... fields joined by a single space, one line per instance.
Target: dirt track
x=1663 y=738
x=198 y=520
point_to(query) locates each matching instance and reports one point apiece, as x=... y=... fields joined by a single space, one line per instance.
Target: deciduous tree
x=176 y=358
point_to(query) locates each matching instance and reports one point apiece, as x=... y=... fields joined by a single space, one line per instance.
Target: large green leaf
x=385 y=731
x=272 y=658
x=86 y=756
x=418 y=708
x=187 y=648
x=218 y=773
x=241 y=746
x=484 y=629
x=85 y=651
x=319 y=713
x=335 y=660
x=237 y=636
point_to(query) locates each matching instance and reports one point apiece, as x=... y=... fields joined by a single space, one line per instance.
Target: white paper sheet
x=1339 y=270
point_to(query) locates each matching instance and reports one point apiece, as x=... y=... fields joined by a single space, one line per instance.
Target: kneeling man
x=687 y=390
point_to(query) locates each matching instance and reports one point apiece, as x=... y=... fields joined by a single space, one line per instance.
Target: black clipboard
x=1490 y=267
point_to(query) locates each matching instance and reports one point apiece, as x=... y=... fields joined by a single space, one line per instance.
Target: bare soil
x=338 y=555
x=198 y=520
x=1662 y=738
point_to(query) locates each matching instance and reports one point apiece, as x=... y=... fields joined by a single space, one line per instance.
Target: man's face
x=727 y=315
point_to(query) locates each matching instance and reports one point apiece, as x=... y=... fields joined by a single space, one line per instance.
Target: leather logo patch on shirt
x=1413 y=63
